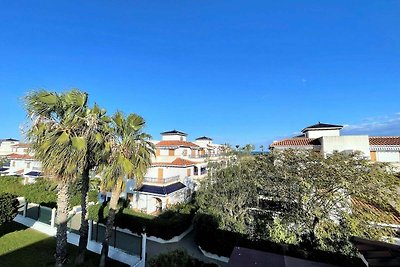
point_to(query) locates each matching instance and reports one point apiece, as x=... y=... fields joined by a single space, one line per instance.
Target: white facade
x=329 y=144
x=388 y=156
x=326 y=139
x=174 y=174
x=6 y=146
x=320 y=133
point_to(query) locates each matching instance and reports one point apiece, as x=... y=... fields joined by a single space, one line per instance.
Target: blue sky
x=238 y=71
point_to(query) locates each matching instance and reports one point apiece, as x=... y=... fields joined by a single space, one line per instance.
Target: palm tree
x=130 y=157
x=55 y=136
x=262 y=148
x=95 y=129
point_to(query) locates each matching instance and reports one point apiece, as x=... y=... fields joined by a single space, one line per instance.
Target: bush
x=8 y=207
x=168 y=224
x=177 y=258
x=43 y=191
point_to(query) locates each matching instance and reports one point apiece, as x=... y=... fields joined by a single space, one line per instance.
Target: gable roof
x=175 y=143
x=174 y=132
x=19 y=156
x=204 y=138
x=387 y=216
x=178 y=162
x=322 y=126
x=298 y=141
x=162 y=190
x=384 y=140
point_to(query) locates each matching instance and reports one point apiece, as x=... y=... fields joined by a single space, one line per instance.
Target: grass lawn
x=21 y=246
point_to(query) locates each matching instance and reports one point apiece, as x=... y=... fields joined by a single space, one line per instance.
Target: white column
x=90 y=230
x=53 y=217
x=144 y=239
x=25 y=208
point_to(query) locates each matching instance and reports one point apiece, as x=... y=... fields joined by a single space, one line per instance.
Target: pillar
x=143 y=254
x=25 y=208
x=90 y=222
x=53 y=217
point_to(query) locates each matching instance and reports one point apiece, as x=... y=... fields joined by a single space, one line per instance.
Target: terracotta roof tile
x=391 y=217
x=22 y=145
x=19 y=156
x=172 y=143
x=296 y=142
x=384 y=141
x=177 y=162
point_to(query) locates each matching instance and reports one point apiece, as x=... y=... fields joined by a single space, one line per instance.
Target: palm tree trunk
x=83 y=231
x=62 y=217
x=110 y=222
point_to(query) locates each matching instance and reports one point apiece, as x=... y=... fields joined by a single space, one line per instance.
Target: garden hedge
x=168 y=224
x=175 y=258
x=8 y=207
x=43 y=191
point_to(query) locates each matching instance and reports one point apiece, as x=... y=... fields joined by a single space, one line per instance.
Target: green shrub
x=43 y=191
x=8 y=207
x=177 y=258
x=170 y=223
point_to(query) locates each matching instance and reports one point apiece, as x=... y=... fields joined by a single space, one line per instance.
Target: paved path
x=187 y=243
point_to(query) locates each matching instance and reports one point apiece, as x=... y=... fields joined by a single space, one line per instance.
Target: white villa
x=326 y=138
x=176 y=169
x=22 y=162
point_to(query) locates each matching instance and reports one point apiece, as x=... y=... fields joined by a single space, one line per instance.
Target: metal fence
x=126 y=242
x=39 y=213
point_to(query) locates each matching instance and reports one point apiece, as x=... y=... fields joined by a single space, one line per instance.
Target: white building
x=175 y=172
x=6 y=146
x=22 y=162
x=326 y=138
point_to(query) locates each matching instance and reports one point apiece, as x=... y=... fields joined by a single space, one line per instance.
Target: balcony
x=156 y=180
x=205 y=156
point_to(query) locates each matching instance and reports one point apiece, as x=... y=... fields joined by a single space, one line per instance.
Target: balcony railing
x=161 y=180
x=205 y=156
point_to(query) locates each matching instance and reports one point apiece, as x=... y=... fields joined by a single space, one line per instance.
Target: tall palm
x=56 y=139
x=130 y=157
x=95 y=129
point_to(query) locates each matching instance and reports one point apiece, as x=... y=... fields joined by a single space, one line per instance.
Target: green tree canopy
x=302 y=197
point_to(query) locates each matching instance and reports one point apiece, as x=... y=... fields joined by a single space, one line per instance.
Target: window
x=28 y=165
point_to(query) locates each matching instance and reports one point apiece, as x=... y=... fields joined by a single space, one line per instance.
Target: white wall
x=319 y=133
x=173 y=137
x=6 y=147
x=329 y=144
x=26 y=165
x=388 y=156
x=168 y=172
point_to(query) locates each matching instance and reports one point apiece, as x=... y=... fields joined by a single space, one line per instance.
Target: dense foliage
x=296 y=197
x=43 y=191
x=177 y=258
x=8 y=207
x=168 y=224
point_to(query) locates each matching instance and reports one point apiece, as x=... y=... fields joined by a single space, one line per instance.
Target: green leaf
x=99 y=138
x=79 y=143
x=48 y=98
x=63 y=138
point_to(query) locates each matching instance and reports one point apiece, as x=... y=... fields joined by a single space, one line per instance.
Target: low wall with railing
x=124 y=247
